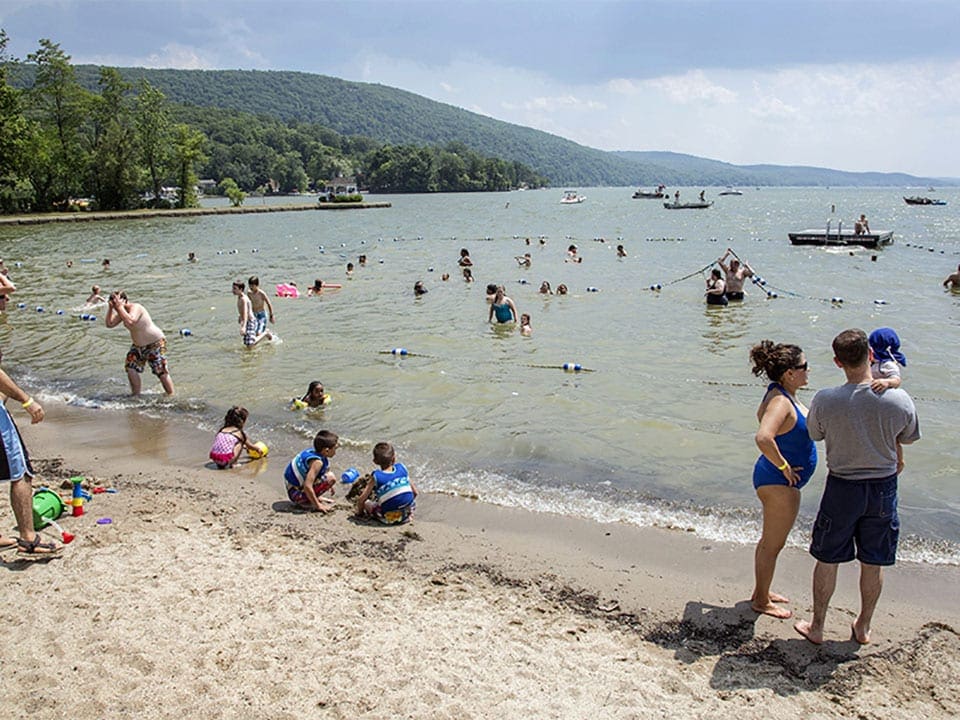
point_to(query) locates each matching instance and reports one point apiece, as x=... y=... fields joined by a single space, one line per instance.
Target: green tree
x=14 y=137
x=59 y=106
x=115 y=169
x=229 y=187
x=187 y=156
x=288 y=173
x=153 y=134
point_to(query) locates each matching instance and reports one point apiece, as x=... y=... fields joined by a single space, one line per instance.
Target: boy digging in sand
x=307 y=477
x=393 y=492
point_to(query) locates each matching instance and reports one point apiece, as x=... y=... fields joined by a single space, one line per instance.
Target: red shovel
x=65 y=537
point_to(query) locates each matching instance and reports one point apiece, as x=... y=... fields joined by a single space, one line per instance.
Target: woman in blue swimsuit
x=502 y=307
x=787 y=460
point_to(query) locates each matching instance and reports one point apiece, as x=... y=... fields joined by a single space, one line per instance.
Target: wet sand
x=207 y=595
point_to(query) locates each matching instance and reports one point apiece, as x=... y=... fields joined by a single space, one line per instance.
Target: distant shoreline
x=43 y=218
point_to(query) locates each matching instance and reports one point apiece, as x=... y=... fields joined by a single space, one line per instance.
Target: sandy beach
x=207 y=596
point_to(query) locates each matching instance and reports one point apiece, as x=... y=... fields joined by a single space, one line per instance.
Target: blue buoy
x=39 y=308
x=593 y=289
x=572 y=367
x=522 y=281
x=186 y=332
x=399 y=351
x=879 y=302
x=92 y=318
x=836 y=299
x=21 y=305
x=430 y=269
x=59 y=312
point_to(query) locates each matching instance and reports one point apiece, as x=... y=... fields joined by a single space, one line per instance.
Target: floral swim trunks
x=154 y=353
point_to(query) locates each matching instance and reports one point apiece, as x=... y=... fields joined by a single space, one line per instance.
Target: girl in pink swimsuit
x=230 y=439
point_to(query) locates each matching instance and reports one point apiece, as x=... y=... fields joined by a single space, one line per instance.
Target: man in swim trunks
x=735 y=275
x=148 y=342
x=259 y=300
x=864 y=432
x=15 y=468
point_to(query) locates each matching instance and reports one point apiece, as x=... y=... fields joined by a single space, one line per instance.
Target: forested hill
x=385 y=114
x=395 y=116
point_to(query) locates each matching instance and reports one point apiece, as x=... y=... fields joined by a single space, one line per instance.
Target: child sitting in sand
x=307 y=477
x=390 y=486
x=231 y=439
x=885 y=344
x=314 y=397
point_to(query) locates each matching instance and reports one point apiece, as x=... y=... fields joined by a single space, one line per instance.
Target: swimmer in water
x=95 y=297
x=502 y=307
x=314 y=397
x=525 y=329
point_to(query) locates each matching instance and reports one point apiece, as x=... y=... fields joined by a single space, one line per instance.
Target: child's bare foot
x=805 y=628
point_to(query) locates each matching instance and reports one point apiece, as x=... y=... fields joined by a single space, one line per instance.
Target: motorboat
x=571 y=197
x=641 y=194
x=730 y=191
x=918 y=200
x=687 y=205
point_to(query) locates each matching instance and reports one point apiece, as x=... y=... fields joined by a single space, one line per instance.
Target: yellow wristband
x=783 y=467
x=27 y=404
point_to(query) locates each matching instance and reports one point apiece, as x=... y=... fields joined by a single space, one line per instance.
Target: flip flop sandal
x=37 y=550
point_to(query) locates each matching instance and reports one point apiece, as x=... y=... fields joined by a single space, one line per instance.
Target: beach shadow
x=706 y=630
x=291 y=508
x=787 y=667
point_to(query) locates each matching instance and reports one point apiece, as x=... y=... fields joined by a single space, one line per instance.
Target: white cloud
x=174 y=55
x=693 y=87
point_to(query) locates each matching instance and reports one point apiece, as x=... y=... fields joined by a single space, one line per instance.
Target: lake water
x=660 y=433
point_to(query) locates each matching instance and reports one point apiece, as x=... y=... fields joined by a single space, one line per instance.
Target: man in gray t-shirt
x=864 y=433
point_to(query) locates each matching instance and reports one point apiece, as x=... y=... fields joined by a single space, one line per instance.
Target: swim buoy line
x=403 y=352
x=566 y=367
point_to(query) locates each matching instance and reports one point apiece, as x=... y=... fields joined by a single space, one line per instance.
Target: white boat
x=730 y=191
x=571 y=197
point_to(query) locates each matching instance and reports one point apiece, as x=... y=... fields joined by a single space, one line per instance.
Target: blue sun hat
x=885 y=344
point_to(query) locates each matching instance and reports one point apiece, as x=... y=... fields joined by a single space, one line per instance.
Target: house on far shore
x=341 y=186
x=207 y=186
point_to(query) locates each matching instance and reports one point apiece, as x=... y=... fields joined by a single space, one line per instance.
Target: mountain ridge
x=395 y=116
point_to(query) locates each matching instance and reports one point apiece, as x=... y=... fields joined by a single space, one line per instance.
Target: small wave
x=715 y=524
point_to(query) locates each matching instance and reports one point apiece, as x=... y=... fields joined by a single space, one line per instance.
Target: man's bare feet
x=861 y=637
x=805 y=628
x=772 y=610
x=777 y=597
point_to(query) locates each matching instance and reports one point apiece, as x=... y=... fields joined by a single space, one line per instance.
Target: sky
x=858 y=85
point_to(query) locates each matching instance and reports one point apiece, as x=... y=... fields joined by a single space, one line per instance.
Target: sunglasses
x=805 y=366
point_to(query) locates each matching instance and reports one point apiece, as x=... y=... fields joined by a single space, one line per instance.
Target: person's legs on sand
x=871 y=584
x=780 y=506
x=824 y=583
x=21 y=499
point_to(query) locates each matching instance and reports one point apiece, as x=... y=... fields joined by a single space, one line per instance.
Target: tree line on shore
x=123 y=144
